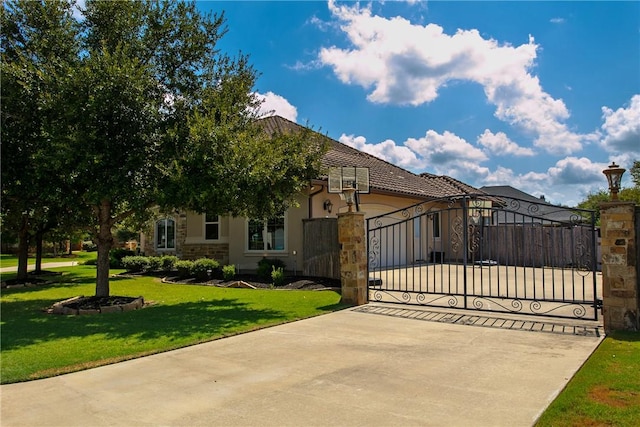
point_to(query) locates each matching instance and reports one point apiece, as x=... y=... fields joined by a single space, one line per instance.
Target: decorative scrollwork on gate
x=374 y=251
x=457 y=228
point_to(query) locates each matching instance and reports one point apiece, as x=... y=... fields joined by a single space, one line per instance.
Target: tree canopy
x=131 y=107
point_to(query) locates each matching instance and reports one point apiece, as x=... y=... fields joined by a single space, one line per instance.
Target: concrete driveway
x=356 y=367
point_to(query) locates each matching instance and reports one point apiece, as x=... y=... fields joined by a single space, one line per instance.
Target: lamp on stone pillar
x=614 y=176
x=349 y=197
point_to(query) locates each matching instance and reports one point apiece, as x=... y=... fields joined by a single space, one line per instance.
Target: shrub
x=135 y=263
x=169 y=262
x=184 y=267
x=277 y=275
x=116 y=255
x=266 y=265
x=203 y=267
x=89 y=246
x=228 y=272
x=154 y=263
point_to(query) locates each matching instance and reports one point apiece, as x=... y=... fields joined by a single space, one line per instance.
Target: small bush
x=154 y=263
x=266 y=265
x=169 y=262
x=135 y=264
x=228 y=272
x=203 y=267
x=277 y=275
x=184 y=267
x=116 y=255
x=89 y=246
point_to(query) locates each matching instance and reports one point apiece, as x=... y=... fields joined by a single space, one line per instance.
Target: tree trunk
x=105 y=242
x=39 y=237
x=23 y=249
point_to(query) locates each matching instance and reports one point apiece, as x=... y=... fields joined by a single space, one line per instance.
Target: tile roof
x=384 y=176
x=542 y=209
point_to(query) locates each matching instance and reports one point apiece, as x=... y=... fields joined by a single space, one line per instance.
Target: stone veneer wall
x=621 y=302
x=353 y=257
x=217 y=251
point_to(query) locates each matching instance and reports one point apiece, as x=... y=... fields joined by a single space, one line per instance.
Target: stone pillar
x=621 y=307
x=353 y=257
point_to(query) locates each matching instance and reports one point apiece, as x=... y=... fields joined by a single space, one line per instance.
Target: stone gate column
x=621 y=307
x=353 y=257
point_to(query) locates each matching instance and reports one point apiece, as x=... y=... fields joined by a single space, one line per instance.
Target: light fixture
x=349 y=197
x=614 y=176
x=327 y=205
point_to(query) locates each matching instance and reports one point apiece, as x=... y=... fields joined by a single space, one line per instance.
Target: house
x=533 y=209
x=244 y=241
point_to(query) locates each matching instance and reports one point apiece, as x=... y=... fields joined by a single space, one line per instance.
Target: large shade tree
x=38 y=45
x=153 y=115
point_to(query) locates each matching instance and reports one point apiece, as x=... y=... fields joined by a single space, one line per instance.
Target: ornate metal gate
x=487 y=253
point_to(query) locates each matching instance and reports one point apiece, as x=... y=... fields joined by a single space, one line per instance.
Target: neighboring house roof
x=383 y=176
x=531 y=205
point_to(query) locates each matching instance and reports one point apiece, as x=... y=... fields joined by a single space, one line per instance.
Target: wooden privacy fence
x=530 y=245
x=321 y=255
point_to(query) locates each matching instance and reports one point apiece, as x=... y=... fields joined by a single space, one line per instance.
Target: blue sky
x=538 y=95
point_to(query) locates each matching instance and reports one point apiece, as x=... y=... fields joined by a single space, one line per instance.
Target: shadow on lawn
x=201 y=320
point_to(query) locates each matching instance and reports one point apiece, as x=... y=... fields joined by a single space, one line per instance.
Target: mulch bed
x=256 y=282
x=32 y=280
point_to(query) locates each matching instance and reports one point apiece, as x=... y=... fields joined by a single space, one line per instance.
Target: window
x=166 y=234
x=211 y=227
x=436 y=224
x=266 y=235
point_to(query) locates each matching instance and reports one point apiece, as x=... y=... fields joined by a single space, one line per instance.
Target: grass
x=7 y=260
x=38 y=345
x=605 y=391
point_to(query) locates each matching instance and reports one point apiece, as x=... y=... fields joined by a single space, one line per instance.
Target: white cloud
x=443 y=150
x=500 y=144
x=386 y=150
x=573 y=170
x=622 y=128
x=407 y=64
x=273 y=104
x=557 y=20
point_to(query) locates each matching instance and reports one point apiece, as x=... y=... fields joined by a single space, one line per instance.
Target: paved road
x=349 y=368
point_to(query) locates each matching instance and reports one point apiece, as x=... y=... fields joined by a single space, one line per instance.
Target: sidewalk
x=348 y=368
x=31 y=267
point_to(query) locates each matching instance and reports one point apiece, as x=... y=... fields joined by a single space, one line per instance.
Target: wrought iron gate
x=487 y=253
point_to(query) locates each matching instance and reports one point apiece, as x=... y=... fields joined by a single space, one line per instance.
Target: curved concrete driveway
x=349 y=368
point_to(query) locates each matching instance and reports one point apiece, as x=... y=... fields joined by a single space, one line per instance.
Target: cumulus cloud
x=500 y=144
x=622 y=128
x=446 y=148
x=273 y=104
x=386 y=150
x=407 y=64
x=573 y=170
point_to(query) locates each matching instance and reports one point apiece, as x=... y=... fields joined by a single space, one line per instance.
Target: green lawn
x=12 y=260
x=36 y=345
x=605 y=391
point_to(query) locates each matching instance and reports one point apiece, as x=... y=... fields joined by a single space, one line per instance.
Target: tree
x=155 y=116
x=37 y=45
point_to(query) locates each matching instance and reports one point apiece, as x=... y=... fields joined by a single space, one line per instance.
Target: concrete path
x=31 y=267
x=349 y=368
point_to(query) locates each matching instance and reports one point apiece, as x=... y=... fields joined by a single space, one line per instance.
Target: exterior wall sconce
x=614 y=176
x=327 y=205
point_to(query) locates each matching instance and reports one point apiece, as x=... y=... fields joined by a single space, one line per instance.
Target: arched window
x=165 y=234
